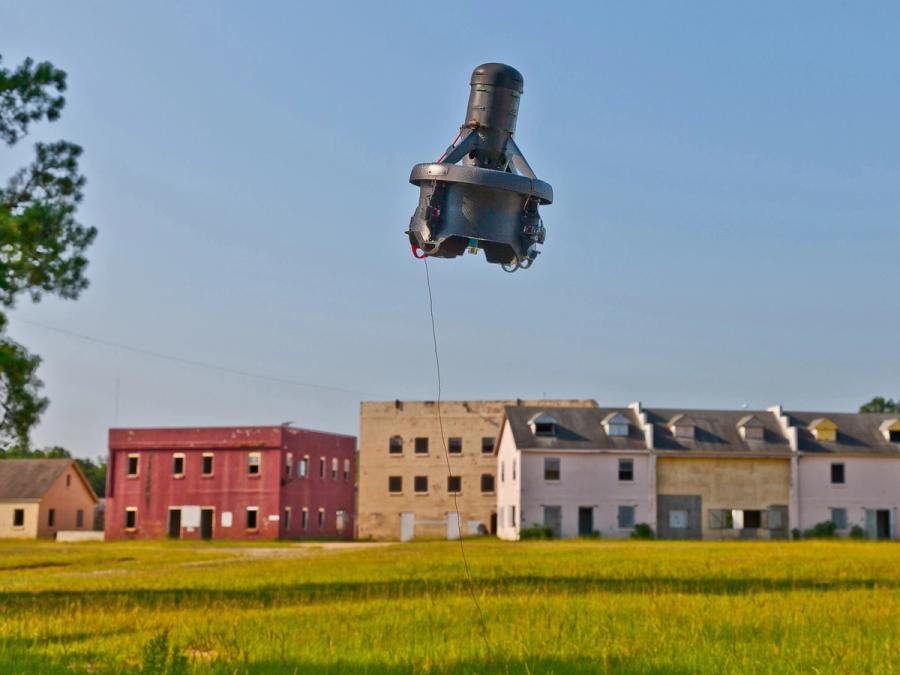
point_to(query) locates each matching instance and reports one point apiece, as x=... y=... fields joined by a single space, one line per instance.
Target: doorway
x=174 y=523
x=207 y=516
x=407 y=526
x=493 y=522
x=585 y=521
x=882 y=524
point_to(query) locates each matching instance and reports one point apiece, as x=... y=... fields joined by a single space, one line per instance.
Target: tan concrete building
x=405 y=488
x=40 y=497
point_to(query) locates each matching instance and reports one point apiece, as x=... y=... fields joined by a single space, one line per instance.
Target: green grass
x=550 y=607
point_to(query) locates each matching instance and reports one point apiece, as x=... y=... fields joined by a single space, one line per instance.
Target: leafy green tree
x=880 y=404
x=42 y=244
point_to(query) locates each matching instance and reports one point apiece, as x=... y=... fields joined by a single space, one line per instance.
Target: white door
x=407 y=526
x=452 y=525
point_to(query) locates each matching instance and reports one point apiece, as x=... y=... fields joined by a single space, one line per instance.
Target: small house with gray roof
x=40 y=497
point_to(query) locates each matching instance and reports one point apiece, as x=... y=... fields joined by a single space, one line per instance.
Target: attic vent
x=543 y=425
x=616 y=424
x=683 y=426
x=823 y=429
x=891 y=430
x=751 y=429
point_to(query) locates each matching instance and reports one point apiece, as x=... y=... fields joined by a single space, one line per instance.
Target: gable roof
x=749 y=421
x=31 y=478
x=577 y=428
x=823 y=423
x=891 y=424
x=616 y=418
x=716 y=432
x=857 y=433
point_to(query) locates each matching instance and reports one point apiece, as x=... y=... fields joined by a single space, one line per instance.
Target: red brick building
x=230 y=483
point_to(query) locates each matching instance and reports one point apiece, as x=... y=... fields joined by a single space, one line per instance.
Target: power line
x=197 y=364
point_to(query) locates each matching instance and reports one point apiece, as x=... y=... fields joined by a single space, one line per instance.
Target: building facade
x=697 y=474
x=405 y=488
x=40 y=497
x=230 y=483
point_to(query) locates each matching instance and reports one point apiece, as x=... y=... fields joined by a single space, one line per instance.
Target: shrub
x=856 y=532
x=593 y=535
x=796 y=534
x=536 y=532
x=823 y=530
x=642 y=531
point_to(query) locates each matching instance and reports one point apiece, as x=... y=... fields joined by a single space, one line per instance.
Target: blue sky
x=725 y=230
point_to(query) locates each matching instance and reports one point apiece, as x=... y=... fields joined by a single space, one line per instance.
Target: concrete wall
x=870 y=483
x=730 y=483
x=30 y=528
x=379 y=512
x=509 y=486
x=66 y=497
x=587 y=479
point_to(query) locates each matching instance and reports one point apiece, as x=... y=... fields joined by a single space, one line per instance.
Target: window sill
x=421 y=494
x=488 y=494
x=395 y=494
x=133 y=476
x=254 y=475
x=207 y=475
x=177 y=476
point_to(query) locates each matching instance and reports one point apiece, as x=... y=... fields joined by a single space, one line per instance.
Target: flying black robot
x=490 y=200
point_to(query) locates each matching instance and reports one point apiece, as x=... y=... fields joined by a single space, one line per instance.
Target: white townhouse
x=577 y=470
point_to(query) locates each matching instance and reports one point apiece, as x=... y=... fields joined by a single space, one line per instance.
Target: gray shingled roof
x=577 y=428
x=856 y=433
x=716 y=431
x=29 y=478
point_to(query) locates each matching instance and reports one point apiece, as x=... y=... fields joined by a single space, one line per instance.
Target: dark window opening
x=178 y=465
x=321 y=467
x=545 y=429
x=626 y=469
x=51 y=517
x=895 y=436
x=420 y=483
x=253 y=460
x=487 y=445
x=68 y=479
x=454 y=483
x=395 y=445
x=79 y=519
x=19 y=518
x=752 y=520
x=487 y=482
x=252 y=519
x=321 y=519
x=454 y=446
x=130 y=519
x=395 y=483
x=132 y=466
x=207 y=465
x=551 y=468
x=837 y=474
x=421 y=446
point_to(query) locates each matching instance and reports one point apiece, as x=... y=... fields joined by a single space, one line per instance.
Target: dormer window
x=616 y=424
x=683 y=427
x=543 y=425
x=891 y=430
x=751 y=429
x=823 y=429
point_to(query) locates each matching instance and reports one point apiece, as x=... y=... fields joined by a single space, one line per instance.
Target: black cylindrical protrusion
x=492 y=111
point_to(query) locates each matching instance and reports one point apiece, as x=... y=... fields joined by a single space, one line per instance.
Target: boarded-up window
x=395 y=445
x=487 y=445
x=718 y=519
x=420 y=484
x=133 y=465
x=454 y=483
x=839 y=518
x=837 y=474
x=346 y=469
x=288 y=464
x=303 y=467
x=207 y=464
x=551 y=468
x=776 y=518
x=421 y=446
x=252 y=520
x=626 y=469
x=340 y=520
x=395 y=484
x=678 y=519
x=18 y=517
x=253 y=462
x=334 y=468
x=487 y=482
x=454 y=446
x=130 y=518
x=626 y=517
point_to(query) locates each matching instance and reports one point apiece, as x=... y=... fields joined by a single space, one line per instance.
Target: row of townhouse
x=696 y=474
x=264 y=482
x=581 y=470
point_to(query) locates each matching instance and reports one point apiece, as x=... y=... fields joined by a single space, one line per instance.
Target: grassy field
x=549 y=607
